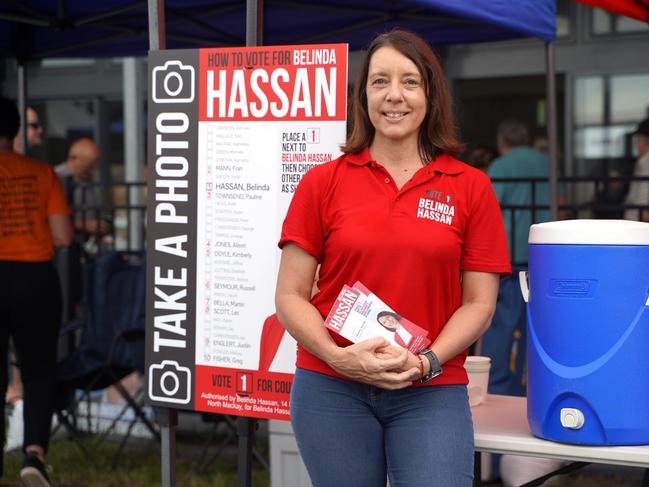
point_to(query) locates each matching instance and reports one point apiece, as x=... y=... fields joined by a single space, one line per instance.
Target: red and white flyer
x=358 y=314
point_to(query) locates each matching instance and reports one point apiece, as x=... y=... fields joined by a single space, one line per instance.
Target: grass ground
x=139 y=466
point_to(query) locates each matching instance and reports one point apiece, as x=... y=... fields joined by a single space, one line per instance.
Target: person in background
x=77 y=175
x=34 y=132
x=368 y=411
x=518 y=160
x=34 y=218
x=541 y=144
x=639 y=190
x=481 y=156
x=91 y=223
x=505 y=341
x=15 y=389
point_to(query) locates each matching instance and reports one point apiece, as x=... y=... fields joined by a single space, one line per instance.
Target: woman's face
x=396 y=98
x=389 y=321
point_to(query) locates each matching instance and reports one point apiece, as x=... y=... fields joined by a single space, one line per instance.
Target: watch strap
x=435 y=366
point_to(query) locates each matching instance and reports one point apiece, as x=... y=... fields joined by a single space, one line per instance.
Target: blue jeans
x=355 y=435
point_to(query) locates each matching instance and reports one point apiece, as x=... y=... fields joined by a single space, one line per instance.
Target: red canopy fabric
x=636 y=9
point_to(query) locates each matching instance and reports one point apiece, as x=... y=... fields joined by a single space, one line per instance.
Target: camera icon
x=173 y=83
x=169 y=382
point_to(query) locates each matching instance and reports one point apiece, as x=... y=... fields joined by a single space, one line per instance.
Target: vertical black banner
x=171 y=238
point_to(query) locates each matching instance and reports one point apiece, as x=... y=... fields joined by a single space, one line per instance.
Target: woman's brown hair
x=437 y=133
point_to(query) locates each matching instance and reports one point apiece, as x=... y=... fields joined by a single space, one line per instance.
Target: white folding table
x=500 y=425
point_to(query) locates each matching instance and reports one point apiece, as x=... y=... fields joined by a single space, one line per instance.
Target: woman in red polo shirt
x=365 y=411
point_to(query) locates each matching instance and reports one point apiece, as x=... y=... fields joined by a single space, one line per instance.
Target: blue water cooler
x=587 y=292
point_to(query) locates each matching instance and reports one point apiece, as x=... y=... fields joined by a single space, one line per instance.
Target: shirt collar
x=360 y=158
x=447 y=164
x=442 y=163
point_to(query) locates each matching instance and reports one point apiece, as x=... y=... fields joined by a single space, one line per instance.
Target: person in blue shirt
x=519 y=161
x=522 y=203
x=504 y=342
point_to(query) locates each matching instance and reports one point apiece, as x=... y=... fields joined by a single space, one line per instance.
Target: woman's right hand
x=361 y=362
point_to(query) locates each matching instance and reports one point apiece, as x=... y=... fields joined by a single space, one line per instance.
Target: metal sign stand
x=168 y=420
x=246 y=431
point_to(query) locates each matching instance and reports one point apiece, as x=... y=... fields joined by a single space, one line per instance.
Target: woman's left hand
x=411 y=363
x=360 y=363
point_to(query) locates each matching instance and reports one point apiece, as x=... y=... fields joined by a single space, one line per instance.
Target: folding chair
x=111 y=344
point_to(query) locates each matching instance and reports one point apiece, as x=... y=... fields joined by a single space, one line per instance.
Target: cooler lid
x=590 y=232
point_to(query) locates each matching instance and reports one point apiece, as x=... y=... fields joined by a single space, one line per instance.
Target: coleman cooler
x=587 y=292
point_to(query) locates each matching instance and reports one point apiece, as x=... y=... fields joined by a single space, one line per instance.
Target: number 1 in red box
x=244 y=383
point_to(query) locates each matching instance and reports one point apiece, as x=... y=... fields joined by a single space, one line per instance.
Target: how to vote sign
x=231 y=133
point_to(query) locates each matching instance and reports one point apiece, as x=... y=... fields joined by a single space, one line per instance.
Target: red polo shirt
x=408 y=246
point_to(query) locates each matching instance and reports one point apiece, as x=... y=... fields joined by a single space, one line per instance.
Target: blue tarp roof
x=35 y=29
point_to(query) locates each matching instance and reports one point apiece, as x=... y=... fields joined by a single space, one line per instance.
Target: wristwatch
x=435 y=366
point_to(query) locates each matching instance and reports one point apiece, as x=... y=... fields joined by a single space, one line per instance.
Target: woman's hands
x=376 y=362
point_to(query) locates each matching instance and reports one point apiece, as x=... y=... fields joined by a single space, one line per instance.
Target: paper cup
x=477 y=368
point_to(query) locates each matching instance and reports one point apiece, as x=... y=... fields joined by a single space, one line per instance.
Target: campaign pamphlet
x=358 y=314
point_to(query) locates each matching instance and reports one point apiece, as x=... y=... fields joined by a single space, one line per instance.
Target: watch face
x=436 y=373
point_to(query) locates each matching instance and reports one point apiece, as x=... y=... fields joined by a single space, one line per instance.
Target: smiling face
x=396 y=97
x=389 y=322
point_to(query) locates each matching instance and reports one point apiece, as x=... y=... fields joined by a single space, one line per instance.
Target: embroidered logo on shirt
x=437 y=206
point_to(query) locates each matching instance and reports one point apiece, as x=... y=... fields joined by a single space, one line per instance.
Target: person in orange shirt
x=34 y=219
x=34 y=129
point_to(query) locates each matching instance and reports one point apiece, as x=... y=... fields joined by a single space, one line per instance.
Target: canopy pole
x=551 y=113
x=22 y=105
x=133 y=83
x=254 y=22
x=167 y=418
x=157 y=33
x=101 y=132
